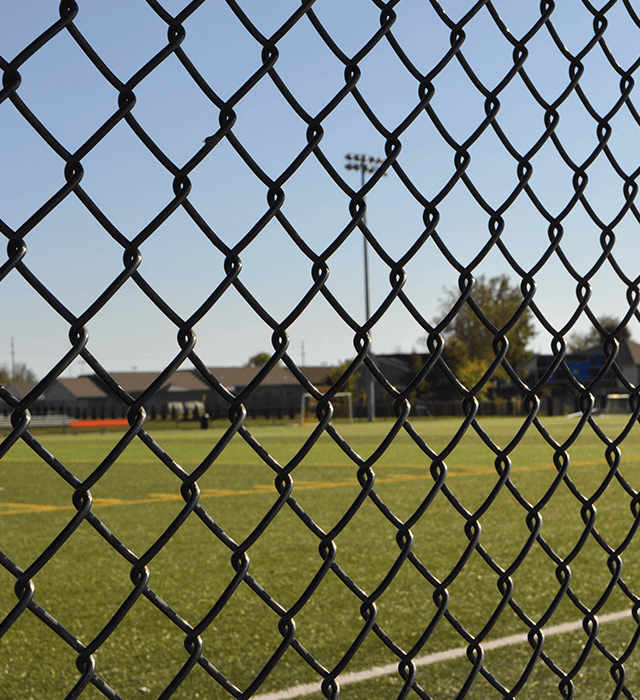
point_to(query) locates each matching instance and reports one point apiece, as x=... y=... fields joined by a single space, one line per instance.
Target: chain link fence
x=492 y=553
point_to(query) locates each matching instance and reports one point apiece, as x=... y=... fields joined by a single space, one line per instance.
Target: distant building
x=585 y=367
x=184 y=393
x=78 y=397
x=19 y=391
x=179 y=393
x=278 y=394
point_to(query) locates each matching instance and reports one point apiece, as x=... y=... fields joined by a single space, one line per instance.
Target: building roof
x=279 y=376
x=187 y=380
x=91 y=386
x=233 y=376
x=21 y=389
x=137 y=382
x=317 y=375
x=81 y=387
x=629 y=352
x=634 y=351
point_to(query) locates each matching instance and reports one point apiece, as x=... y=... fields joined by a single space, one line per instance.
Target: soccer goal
x=308 y=400
x=617 y=403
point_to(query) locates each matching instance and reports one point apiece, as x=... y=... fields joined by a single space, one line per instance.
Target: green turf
x=86 y=581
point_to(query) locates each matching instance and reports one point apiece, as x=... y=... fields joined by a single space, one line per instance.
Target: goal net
x=617 y=403
x=342 y=406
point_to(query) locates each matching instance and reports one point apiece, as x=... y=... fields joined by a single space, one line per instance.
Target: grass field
x=138 y=497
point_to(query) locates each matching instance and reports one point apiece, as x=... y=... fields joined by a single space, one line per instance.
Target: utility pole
x=13 y=359
x=366 y=164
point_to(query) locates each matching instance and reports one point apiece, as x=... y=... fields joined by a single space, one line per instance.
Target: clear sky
x=76 y=258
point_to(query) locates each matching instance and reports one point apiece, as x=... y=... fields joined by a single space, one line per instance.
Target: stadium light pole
x=366 y=164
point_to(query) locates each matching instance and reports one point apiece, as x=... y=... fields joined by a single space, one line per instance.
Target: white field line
x=378 y=671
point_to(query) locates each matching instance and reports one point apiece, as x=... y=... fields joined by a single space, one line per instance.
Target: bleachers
x=53 y=420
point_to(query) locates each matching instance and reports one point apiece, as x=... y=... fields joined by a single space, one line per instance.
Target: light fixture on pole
x=366 y=164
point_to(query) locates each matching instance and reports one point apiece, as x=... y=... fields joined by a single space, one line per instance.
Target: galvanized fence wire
x=17 y=261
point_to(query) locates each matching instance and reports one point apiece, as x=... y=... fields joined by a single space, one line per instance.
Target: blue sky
x=76 y=258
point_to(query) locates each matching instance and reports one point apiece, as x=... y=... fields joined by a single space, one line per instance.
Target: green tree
x=578 y=342
x=259 y=360
x=468 y=350
x=334 y=374
x=21 y=374
x=468 y=371
x=498 y=300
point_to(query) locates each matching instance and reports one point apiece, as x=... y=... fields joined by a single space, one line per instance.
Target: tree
x=334 y=374
x=437 y=385
x=21 y=375
x=498 y=301
x=259 y=360
x=579 y=342
x=468 y=350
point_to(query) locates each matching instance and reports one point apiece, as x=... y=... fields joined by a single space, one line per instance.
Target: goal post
x=306 y=399
x=617 y=403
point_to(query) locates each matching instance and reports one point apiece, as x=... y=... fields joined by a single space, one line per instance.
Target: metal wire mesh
x=428 y=72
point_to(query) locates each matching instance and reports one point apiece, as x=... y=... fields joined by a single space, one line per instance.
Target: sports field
x=83 y=585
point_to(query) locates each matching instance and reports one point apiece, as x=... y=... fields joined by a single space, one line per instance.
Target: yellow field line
x=22 y=508
x=306 y=463
x=300 y=485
